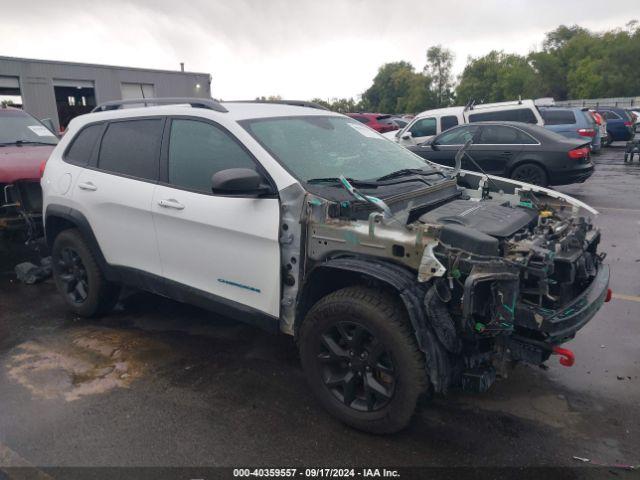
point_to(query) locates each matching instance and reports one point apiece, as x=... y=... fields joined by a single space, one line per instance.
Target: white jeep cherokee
x=396 y=277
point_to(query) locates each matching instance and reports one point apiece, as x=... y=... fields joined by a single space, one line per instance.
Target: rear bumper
x=577 y=175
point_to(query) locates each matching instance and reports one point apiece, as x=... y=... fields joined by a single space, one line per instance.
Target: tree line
x=573 y=63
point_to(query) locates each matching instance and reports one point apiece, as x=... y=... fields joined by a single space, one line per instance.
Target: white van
x=431 y=122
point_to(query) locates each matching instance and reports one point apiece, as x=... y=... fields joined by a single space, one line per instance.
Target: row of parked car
x=532 y=141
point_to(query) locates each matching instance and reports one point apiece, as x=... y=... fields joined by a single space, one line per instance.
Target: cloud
x=294 y=48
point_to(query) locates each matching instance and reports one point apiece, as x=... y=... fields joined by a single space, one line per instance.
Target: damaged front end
x=21 y=209
x=490 y=270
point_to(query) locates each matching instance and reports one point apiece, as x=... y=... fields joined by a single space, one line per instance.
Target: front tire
x=361 y=359
x=530 y=173
x=79 y=278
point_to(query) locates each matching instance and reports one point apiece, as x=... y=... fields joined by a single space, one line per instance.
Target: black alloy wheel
x=356 y=367
x=530 y=173
x=73 y=275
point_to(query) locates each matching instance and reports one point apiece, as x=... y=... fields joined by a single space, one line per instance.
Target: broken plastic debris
x=30 y=273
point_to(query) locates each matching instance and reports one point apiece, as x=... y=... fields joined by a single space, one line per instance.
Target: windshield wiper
x=25 y=142
x=338 y=180
x=407 y=171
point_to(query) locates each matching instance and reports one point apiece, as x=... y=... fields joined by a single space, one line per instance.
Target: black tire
x=530 y=173
x=79 y=278
x=383 y=388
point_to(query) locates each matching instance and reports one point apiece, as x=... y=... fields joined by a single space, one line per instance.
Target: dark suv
x=620 y=126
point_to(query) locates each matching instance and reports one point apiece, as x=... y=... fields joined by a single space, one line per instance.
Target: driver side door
x=421 y=130
x=218 y=246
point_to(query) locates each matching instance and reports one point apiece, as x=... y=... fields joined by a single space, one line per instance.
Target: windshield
x=18 y=127
x=315 y=147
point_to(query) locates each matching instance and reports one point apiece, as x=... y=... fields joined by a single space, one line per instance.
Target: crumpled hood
x=22 y=162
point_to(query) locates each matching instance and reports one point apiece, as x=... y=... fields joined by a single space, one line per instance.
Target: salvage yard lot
x=158 y=383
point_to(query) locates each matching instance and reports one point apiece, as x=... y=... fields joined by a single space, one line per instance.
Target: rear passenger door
x=115 y=190
x=495 y=147
x=224 y=246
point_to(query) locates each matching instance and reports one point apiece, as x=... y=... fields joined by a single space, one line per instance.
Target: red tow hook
x=609 y=295
x=567 y=358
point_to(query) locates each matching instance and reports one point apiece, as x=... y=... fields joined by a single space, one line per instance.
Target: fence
x=623 y=102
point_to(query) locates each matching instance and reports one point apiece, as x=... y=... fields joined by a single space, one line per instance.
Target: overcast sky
x=293 y=48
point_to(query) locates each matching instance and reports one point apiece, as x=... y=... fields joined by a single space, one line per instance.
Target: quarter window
x=424 y=127
x=132 y=148
x=82 y=147
x=197 y=150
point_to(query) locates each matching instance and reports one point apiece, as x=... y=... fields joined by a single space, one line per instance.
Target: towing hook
x=567 y=358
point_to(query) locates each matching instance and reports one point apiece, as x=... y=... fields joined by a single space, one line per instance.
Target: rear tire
x=608 y=140
x=361 y=359
x=530 y=173
x=78 y=277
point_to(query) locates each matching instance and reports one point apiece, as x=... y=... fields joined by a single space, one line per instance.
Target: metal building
x=63 y=90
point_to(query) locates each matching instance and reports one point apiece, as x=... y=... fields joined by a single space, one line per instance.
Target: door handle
x=506 y=154
x=87 y=186
x=171 y=203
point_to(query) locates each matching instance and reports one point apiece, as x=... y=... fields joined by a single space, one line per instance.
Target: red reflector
x=587 y=132
x=609 y=295
x=579 y=153
x=42 y=167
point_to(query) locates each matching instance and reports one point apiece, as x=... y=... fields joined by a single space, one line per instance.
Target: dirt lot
x=163 y=384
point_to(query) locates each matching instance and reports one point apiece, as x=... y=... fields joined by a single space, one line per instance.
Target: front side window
x=17 y=126
x=315 y=147
x=448 y=122
x=457 y=136
x=132 y=148
x=197 y=150
x=425 y=127
x=81 y=149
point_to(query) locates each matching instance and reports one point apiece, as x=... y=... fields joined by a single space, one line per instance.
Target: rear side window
x=360 y=118
x=498 y=135
x=558 y=117
x=447 y=122
x=423 y=128
x=197 y=150
x=132 y=148
x=81 y=148
x=513 y=115
x=609 y=115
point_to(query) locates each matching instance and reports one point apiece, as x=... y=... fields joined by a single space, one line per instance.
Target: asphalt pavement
x=159 y=383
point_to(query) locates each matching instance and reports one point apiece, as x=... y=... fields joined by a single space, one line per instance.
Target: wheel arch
x=339 y=273
x=59 y=218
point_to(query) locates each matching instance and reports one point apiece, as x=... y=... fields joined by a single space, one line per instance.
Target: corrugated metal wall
x=37 y=77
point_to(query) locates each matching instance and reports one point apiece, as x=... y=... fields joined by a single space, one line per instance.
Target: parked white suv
x=430 y=123
x=396 y=277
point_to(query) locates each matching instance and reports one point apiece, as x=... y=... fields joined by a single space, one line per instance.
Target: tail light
x=42 y=167
x=597 y=118
x=577 y=153
x=587 y=132
x=628 y=124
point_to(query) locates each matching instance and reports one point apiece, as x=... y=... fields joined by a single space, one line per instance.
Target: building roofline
x=97 y=65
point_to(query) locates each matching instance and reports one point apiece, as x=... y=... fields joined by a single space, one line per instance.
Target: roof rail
x=295 y=103
x=207 y=103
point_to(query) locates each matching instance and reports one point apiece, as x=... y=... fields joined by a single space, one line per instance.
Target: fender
x=73 y=216
x=412 y=294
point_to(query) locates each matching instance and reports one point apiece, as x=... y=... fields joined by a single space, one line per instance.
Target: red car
x=25 y=145
x=379 y=122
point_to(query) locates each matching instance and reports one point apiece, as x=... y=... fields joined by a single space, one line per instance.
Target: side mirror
x=406 y=136
x=239 y=181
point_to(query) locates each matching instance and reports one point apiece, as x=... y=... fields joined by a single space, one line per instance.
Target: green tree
x=439 y=68
x=397 y=88
x=496 y=77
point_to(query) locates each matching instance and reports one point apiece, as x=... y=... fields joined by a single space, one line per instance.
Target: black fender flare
x=412 y=293
x=78 y=220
